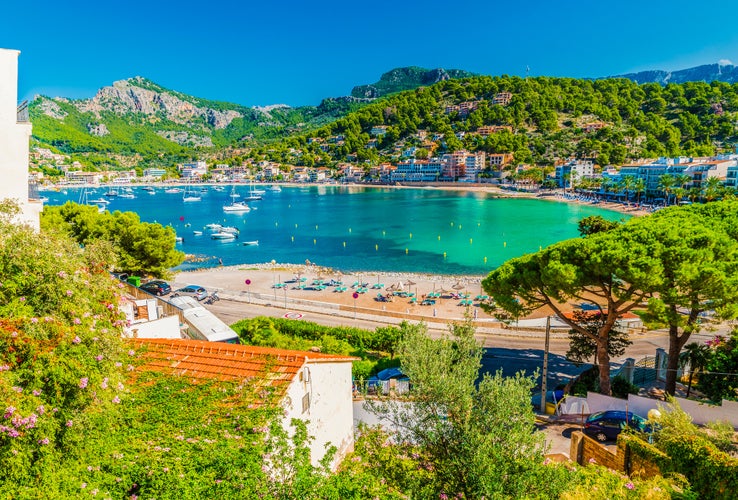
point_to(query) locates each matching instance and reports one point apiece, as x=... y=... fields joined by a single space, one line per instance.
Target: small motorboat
x=250 y=243
x=236 y=207
x=220 y=235
x=214 y=226
x=229 y=229
x=197 y=233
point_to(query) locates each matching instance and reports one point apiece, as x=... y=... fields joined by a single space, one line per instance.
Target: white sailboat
x=254 y=194
x=189 y=195
x=235 y=206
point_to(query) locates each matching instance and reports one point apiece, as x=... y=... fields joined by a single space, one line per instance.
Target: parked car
x=606 y=425
x=195 y=291
x=156 y=287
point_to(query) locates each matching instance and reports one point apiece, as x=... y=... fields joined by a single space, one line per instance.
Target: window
x=306 y=402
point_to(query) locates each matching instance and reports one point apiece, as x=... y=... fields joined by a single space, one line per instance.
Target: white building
x=315 y=387
x=15 y=132
x=570 y=173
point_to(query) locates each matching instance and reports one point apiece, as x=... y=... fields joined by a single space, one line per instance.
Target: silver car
x=195 y=291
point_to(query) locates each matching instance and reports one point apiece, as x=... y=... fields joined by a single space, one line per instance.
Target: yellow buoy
x=444 y=255
x=349 y=230
x=439 y=237
x=295 y=226
x=459 y=226
x=540 y=248
x=411 y=236
x=376 y=247
x=314 y=242
x=293 y=239
x=479 y=224
x=384 y=233
x=452 y=223
x=276 y=224
x=504 y=244
x=485 y=260
x=316 y=227
x=344 y=244
x=470 y=241
x=406 y=250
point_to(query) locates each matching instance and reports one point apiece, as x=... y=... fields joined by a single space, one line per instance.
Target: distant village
x=644 y=178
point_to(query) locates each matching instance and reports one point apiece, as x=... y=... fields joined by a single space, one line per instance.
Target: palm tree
x=639 y=186
x=696 y=356
x=712 y=188
x=628 y=182
x=679 y=193
x=666 y=183
x=681 y=180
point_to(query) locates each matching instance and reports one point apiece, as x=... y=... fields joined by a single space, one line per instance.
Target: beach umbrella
x=458 y=286
x=410 y=283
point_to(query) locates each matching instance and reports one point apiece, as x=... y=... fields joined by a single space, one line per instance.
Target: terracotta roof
x=221 y=361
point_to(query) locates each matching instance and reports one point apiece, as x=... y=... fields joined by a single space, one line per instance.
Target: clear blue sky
x=259 y=52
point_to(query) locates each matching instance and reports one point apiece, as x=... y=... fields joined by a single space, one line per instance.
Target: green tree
x=478 y=439
x=698 y=272
x=695 y=357
x=604 y=270
x=666 y=185
x=582 y=347
x=595 y=224
x=141 y=247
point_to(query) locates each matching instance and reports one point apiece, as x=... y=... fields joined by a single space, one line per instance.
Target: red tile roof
x=221 y=361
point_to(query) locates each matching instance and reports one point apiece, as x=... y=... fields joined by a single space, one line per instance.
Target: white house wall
x=329 y=414
x=14 y=140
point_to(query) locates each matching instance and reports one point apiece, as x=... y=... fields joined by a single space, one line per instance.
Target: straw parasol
x=458 y=286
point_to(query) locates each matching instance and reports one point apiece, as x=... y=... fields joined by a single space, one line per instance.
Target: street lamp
x=248 y=290
x=355 y=296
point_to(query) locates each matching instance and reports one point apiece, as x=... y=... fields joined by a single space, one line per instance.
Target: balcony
x=33 y=193
x=23 y=112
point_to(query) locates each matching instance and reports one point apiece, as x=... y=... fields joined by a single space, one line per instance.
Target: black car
x=606 y=425
x=156 y=287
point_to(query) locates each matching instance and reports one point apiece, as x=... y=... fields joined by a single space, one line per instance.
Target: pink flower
x=83 y=486
x=61 y=274
x=9 y=411
x=43 y=441
x=77 y=321
x=83 y=382
x=69 y=293
x=131 y=352
x=118 y=364
x=116 y=400
x=592 y=461
x=4 y=368
x=22 y=299
x=34 y=320
x=629 y=485
x=104 y=383
x=37 y=392
x=99 y=357
x=17 y=389
x=69 y=423
x=76 y=340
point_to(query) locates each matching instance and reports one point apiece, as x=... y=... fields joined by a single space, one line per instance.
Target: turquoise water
x=356 y=228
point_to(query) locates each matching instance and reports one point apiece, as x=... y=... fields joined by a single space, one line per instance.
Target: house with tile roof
x=314 y=387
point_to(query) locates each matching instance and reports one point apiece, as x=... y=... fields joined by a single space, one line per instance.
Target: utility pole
x=545 y=366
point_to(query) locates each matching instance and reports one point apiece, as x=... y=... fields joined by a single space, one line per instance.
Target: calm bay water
x=357 y=228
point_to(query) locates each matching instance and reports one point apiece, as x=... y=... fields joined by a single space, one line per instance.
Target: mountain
x=409 y=78
x=137 y=117
x=705 y=73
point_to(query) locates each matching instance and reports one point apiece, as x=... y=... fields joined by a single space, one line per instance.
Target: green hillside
x=612 y=121
x=542 y=120
x=410 y=78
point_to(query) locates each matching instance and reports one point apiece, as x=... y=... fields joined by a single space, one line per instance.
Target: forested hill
x=539 y=120
x=408 y=78
x=140 y=121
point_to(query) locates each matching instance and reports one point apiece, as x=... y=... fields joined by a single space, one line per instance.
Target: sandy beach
x=309 y=286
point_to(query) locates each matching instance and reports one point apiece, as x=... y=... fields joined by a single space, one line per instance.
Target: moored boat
x=249 y=243
x=223 y=236
x=236 y=207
